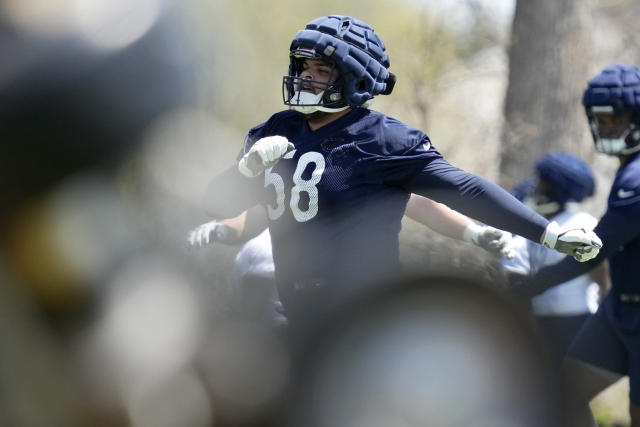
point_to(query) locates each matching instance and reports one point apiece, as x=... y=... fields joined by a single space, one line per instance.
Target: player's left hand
x=496 y=241
x=581 y=244
x=491 y=239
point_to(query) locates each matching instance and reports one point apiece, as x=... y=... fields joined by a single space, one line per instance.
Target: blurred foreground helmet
x=431 y=351
x=612 y=103
x=67 y=105
x=70 y=111
x=354 y=49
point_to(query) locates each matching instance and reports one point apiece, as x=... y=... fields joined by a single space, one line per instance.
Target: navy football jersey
x=622 y=223
x=335 y=202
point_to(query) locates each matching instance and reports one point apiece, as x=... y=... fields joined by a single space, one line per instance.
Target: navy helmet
x=615 y=92
x=561 y=178
x=354 y=49
x=571 y=179
x=523 y=189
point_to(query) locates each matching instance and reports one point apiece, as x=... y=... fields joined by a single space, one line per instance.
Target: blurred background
x=115 y=115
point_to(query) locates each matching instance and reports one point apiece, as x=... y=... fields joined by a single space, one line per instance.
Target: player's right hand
x=264 y=154
x=581 y=244
x=208 y=233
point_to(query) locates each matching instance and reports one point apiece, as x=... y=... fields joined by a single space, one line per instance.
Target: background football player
x=561 y=181
x=607 y=347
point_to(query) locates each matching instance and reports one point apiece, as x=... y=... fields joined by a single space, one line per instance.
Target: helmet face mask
x=614 y=131
x=308 y=96
x=612 y=104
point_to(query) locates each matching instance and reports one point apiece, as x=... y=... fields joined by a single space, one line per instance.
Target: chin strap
x=306 y=103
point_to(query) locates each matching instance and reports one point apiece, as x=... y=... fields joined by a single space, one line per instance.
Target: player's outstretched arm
x=479 y=198
x=448 y=222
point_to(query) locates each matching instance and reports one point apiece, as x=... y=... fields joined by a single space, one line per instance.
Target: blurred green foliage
x=245 y=51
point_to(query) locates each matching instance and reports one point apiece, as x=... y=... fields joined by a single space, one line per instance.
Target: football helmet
x=562 y=177
x=612 y=103
x=352 y=48
x=523 y=189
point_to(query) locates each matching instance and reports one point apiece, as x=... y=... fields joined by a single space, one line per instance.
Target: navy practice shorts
x=607 y=341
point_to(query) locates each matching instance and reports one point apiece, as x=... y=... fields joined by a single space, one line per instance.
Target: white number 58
x=300 y=186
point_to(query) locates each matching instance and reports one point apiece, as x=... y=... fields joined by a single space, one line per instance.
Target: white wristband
x=550 y=235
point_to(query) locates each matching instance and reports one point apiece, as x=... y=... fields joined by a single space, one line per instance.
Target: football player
x=335 y=176
x=253 y=269
x=607 y=346
x=562 y=180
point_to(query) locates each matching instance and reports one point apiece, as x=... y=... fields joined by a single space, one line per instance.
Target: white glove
x=491 y=239
x=208 y=233
x=581 y=244
x=264 y=154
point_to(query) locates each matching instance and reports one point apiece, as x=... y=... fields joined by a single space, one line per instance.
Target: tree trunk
x=549 y=65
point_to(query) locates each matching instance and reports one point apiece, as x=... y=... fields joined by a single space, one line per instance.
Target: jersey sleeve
x=392 y=151
x=268 y=128
x=403 y=165
x=230 y=193
x=477 y=198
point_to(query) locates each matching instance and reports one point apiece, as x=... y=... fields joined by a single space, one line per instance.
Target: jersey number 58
x=300 y=186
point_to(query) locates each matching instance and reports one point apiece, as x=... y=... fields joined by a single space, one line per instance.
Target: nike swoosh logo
x=622 y=194
x=426 y=146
